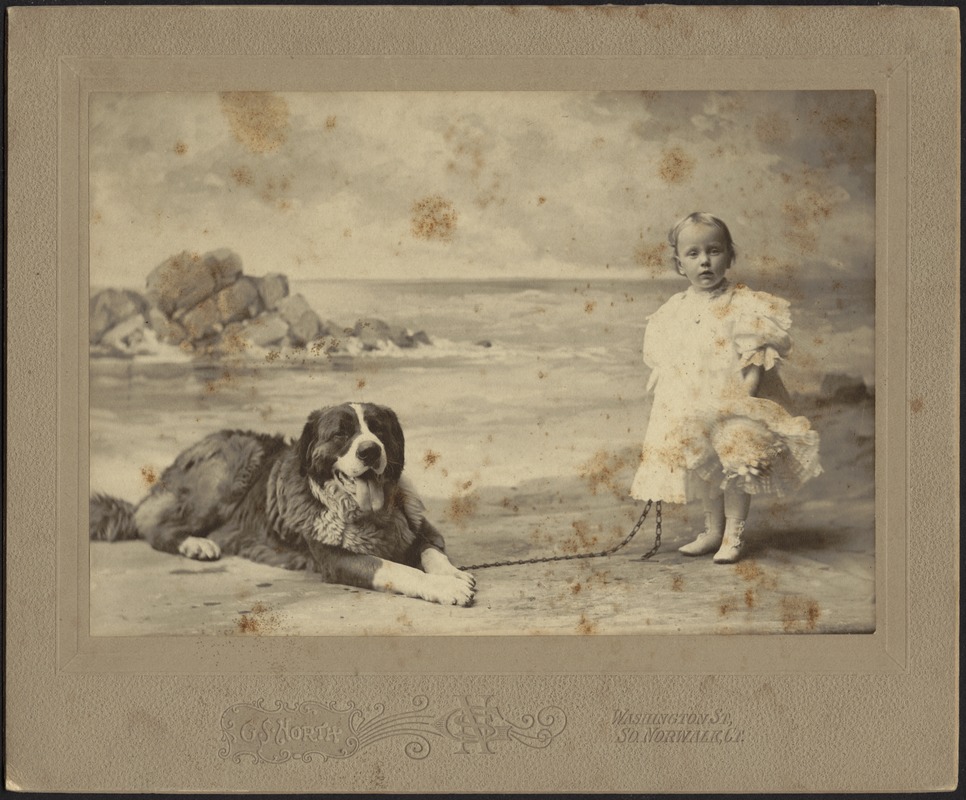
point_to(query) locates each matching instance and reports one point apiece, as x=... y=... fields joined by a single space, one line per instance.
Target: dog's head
x=359 y=444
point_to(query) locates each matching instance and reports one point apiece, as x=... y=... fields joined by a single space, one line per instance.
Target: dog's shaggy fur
x=335 y=500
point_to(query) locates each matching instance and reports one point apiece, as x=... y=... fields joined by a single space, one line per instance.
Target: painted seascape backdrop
x=524 y=236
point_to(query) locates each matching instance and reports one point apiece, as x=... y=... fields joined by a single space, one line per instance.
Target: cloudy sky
x=423 y=185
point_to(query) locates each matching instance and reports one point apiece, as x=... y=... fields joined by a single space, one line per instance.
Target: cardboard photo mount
x=869 y=712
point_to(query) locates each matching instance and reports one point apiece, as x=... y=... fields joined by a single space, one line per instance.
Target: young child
x=713 y=432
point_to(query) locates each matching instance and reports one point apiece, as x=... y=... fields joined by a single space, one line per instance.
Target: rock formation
x=205 y=305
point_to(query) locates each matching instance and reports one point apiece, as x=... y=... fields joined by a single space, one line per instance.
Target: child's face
x=702 y=256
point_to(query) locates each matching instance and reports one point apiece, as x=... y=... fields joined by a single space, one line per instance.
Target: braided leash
x=609 y=551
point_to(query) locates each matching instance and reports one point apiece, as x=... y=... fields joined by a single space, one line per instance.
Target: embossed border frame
x=910 y=57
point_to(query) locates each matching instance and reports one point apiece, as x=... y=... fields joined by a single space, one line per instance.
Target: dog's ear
x=395 y=444
x=307 y=441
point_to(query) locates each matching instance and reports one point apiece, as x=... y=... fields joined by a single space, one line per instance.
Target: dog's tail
x=112 y=519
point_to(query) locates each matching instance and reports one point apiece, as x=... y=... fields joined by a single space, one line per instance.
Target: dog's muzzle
x=360 y=472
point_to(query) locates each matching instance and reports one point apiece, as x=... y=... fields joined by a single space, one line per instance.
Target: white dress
x=703 y=425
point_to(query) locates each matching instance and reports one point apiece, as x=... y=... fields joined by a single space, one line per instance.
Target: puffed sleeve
x=761 y=329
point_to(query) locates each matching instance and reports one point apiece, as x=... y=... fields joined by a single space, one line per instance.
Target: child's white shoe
x=708 y=541
x=733 y=542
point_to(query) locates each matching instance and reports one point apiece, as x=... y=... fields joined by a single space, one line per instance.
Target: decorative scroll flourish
x=477 y=723
x=309 y=730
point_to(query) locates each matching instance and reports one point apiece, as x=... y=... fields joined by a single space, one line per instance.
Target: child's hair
x=702 y=218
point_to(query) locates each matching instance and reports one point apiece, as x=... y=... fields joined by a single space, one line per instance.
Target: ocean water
x=525 y=379
x=600 y=321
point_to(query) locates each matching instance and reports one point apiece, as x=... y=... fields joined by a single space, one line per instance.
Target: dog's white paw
x=200 y=549
x=451 y=590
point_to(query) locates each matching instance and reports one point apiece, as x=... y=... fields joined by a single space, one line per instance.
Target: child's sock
x=732 y=543
x=709 y=539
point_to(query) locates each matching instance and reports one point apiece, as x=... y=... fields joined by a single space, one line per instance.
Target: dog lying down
x=336 y=501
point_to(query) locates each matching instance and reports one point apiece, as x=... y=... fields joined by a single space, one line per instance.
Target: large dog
x=336 y=499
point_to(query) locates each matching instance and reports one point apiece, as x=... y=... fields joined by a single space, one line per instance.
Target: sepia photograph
x=473 y=363
x=482 y=399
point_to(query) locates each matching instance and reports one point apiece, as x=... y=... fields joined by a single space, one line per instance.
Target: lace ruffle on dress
x=703 y=424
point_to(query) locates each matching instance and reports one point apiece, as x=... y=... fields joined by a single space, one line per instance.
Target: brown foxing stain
x=180 y=148
x=223 y=380
x=751 y=599
x=508 y=503
x=601 y=472
x=179 y=271
x=461 y=507
x=541 y=200
x=330 y=122
x=149 y=476
x=677 y=583
x=751 y=572
x=725 y=607
x=361 y=383
x=651 y=256
x=772 y=129
x=430 y=457
x=748 y=570
x=586 y=626
x=257 y=620
x=581 y=540
x=599 y=576
x=347 y=233
x=259 y=121
x=799 y=613
x=273 y=191
x=233 y=343
x=433 y=218
x=589 y=306
x=916 y=405
x=541 y=374
x=242 y=176
x=404 y=620
x=576 y=588
x=676 y=166
x=465 y=485
x=325 y=346
x=97 y=217
x=273 y=355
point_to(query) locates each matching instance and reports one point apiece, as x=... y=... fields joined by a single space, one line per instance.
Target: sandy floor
x=809 y=567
